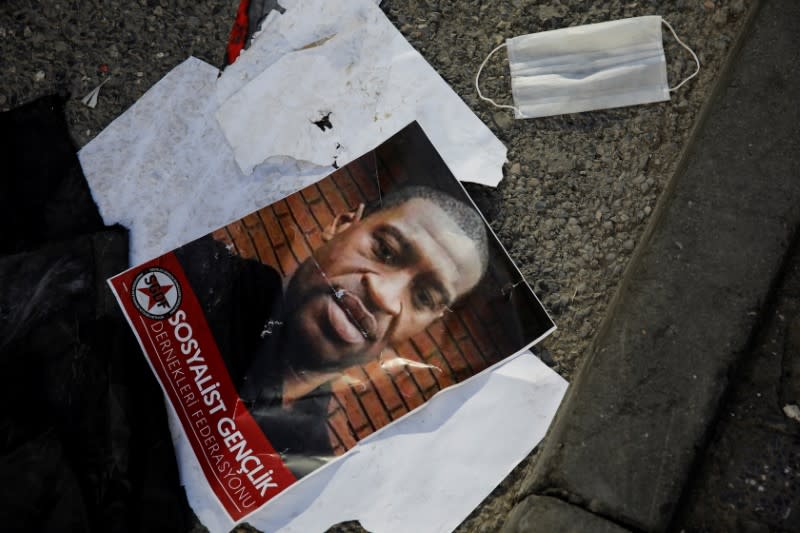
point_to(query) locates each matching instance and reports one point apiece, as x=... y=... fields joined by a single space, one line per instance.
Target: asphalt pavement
x=676 y=420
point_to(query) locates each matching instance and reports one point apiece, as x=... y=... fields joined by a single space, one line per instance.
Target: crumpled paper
x=357 y=72
x=164 y=170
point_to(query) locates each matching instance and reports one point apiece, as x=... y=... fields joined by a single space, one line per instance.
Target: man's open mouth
x=350 y=319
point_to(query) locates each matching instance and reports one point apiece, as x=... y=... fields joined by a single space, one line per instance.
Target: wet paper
x=289 y=344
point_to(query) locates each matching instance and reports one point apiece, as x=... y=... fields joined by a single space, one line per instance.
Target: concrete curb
x=638 y=413
x=542 y=513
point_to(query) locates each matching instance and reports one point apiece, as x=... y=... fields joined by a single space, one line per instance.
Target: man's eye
x=424 y=299
x=384 y=252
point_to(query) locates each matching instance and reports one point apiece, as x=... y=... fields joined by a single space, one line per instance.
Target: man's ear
x=341 y=222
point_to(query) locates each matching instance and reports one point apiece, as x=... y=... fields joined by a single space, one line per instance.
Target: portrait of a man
x=307 y=293
x=384 y=277
x=377 y=279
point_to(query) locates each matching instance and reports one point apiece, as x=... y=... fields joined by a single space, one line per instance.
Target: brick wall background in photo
x=366 y=398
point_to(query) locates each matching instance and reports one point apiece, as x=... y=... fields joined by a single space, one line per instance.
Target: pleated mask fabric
x=596 y=66
x=585 y=68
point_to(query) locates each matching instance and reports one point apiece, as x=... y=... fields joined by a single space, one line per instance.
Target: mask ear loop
x=697 y=70
x=478 y=88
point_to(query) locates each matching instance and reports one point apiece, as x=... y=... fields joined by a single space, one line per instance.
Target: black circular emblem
x=156 y=293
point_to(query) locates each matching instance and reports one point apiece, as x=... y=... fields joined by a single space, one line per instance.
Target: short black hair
x=463 y=214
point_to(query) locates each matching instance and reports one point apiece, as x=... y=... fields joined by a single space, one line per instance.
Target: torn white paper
x=425 y=472
x=358 y=72
x=792 y=411
x=90 y=100
x=279 y=35
x=164 y=170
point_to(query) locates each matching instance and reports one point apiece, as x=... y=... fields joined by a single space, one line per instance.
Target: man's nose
x=386 y=290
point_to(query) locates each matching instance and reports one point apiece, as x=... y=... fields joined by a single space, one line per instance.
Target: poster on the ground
x=284 y=338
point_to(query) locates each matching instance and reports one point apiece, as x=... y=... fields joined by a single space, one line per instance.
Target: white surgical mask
x=583 y=68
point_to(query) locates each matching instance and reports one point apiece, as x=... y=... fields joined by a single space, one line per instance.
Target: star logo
x=156 y=293
x=153 y=291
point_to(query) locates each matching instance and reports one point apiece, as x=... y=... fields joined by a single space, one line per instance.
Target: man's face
x=377 y=281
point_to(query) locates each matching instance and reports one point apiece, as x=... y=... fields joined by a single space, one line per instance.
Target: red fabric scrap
x=238 y=35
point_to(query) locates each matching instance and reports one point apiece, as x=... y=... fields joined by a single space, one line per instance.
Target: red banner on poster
x=240 y=464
